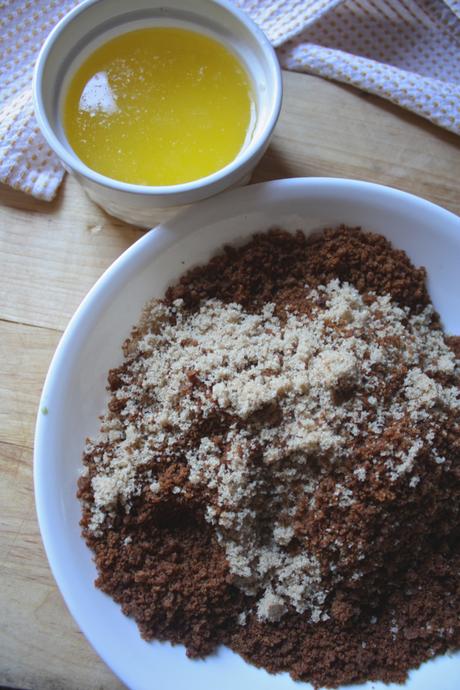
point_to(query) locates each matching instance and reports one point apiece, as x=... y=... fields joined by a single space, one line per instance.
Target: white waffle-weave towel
x=407 y=51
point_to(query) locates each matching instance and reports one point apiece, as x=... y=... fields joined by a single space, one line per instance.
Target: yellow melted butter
x=159 y=106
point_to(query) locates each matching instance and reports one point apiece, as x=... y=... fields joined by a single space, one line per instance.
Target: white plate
x=74 y=395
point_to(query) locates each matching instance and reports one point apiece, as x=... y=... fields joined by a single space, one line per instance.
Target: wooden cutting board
x=51 y=254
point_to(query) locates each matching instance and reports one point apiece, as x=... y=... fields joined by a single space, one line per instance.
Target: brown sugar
x=278 y=469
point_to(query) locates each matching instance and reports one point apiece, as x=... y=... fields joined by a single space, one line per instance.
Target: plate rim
x=159 y=239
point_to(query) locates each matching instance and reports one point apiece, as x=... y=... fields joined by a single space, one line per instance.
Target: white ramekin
x=93 y=22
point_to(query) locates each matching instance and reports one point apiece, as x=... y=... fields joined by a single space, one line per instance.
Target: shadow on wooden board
x=275 y=166
x=16 y=199
x=404 y=115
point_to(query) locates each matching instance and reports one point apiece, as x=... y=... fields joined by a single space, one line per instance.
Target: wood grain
x=51 y=254
x=50 y=260
x=40 y=646
x=324 y=130
x=25 y=354
x=336 y=131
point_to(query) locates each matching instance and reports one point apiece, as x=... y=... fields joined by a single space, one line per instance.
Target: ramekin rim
x=70 y=159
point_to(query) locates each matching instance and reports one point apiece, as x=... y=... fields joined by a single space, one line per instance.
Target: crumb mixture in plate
x=278 y=466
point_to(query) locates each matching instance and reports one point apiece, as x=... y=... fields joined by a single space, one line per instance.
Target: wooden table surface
x=51 y=254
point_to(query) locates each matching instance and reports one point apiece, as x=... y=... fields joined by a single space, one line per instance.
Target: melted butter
x=159 y=106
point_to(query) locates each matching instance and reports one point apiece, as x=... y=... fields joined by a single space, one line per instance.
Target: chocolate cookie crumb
x=278 y=467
